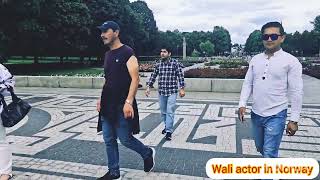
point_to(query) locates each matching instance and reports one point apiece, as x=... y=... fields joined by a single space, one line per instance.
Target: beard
x=110 y=43
x=164 y=58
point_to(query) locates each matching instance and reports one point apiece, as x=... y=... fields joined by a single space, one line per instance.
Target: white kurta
x=272 y=82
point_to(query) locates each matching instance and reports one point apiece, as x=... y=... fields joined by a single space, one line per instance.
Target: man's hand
x=182 y=93
x=128 y=111
x=242 y=111
x=98 y=105
x=147 y=92
x=292 y=128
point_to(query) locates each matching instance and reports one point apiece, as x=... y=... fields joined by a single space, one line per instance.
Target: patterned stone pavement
x=58 y=139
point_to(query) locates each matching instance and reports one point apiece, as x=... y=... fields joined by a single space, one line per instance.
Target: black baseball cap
x=109 y=25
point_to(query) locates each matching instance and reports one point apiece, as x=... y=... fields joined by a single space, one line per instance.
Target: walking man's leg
x=274 y=128
x=163 y=110
x=170 y=115
x=110 y=139
x=258 y=131
x=129 y=141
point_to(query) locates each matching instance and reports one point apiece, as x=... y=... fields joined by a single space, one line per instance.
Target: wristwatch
x=128 y=102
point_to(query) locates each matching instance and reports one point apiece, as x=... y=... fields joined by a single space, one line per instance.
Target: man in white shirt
x=273 y=77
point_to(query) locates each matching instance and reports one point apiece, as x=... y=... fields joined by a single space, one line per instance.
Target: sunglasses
x=273 y=37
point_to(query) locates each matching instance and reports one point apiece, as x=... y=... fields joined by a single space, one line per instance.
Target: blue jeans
x=167 y=104
x=110 y=134
x=268 y=133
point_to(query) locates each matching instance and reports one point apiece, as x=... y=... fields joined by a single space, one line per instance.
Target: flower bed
x=311 y=67
x=313 y=71
x=238 y=73
x=231 y=63
x=224 y=66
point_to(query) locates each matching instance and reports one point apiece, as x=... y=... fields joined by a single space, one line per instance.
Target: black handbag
x=13 y=113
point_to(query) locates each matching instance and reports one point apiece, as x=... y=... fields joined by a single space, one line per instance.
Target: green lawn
x=30 y=60
x=50 y=66
x=74 y=72
x=19 y=61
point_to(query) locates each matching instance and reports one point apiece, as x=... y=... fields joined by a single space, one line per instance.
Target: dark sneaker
x=163 y=131
x=149 y=162
x=109 y=176
x=168 y=136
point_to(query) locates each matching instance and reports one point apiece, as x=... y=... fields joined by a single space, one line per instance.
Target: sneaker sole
x=153 y=157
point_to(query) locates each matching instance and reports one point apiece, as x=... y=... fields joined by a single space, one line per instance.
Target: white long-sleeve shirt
x=6 y=79
x=271 y=82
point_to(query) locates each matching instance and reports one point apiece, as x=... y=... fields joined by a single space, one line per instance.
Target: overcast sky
x=240 y=17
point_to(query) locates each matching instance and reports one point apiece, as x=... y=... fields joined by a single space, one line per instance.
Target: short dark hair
x=273 y=24
x=166 y=48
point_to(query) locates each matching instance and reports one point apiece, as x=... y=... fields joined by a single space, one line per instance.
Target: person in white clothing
x=6 y=80
x=273 y=78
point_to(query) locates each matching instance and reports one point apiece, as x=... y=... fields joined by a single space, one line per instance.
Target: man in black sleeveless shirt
x=118 y=110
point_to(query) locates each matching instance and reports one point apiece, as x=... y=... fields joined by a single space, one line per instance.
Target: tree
x=149 y=24
x=254 y=43
x=132 y=30
x=309 y=43
x=195 y=53
x=171 y=39
x=3 y=47
x=194 y=39
x=23 y=25
x=46 y=27
x=221 y=40
x=292 y=44
x=316 y=24
x=207 y=48
x=237 y=46
x=67 y=25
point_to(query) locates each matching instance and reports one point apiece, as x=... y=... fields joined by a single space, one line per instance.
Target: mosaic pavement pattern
x=58 y=139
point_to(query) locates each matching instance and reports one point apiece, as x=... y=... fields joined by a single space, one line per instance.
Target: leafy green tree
x=171 y=39
x=195 y=53
x=207 y=48
x=24 y=31
x=309 y=43
x=149 y=25
x=316 y=23
x=67 y=24
x=254 y=43
x=221 y=40
x=131 y=24
x=3 y=47
x=194 y=39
